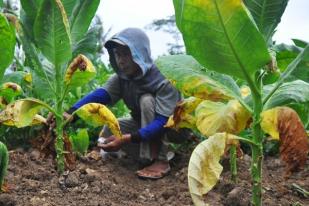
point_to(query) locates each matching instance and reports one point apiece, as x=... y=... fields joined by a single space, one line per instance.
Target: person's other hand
x=67 y=117
x=113 y=144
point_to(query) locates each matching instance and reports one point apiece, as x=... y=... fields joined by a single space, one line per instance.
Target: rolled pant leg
x=153 y=149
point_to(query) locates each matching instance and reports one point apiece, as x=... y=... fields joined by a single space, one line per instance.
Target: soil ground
x=34 y=181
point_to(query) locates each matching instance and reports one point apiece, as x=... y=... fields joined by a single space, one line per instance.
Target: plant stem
x=59 y=121
x=256 y=174
x=233 y=163
x=64 y=93
x=257 y=152
x=59 y=144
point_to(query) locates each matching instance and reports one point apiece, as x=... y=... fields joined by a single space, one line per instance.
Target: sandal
x=151 y=172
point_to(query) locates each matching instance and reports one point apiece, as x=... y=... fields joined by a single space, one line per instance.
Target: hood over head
x=139 y=45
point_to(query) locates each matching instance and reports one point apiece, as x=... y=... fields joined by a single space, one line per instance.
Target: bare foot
x=155 y=171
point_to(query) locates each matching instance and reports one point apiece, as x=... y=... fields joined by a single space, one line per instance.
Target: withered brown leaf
x=293 y=140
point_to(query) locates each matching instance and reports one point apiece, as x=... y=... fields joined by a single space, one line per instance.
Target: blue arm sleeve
x=97 y=96
x=153 y=129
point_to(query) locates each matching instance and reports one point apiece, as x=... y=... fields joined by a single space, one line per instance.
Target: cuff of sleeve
x=71 y=110
x=136 y=137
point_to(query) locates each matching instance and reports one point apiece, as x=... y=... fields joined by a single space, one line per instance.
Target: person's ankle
x=143 y=162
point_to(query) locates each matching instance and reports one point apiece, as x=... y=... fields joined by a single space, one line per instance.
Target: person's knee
x=147 y=101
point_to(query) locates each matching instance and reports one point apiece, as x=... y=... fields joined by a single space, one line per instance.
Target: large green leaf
x=285 y=54
x=7 y=45
x=301 y=72
x=90 y=43
x=30 y=9
x=300 y=43
x=290 y=92
x=51 y=32
x=40 y=86
x=221 y=36
x=41 y=69
x=81 y=18
x=69 y=6
x=267 y=14
x=302 y=57
x=192 y=79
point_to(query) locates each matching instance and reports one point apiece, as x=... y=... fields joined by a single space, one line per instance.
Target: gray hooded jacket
x=151 y=81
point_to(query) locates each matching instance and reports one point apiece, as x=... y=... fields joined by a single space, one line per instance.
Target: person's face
x=124 y=61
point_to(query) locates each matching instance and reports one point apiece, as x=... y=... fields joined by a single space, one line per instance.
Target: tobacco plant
x=233 y=39
x=53 y=33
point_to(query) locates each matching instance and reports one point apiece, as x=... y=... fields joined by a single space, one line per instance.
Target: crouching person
x=147 y=93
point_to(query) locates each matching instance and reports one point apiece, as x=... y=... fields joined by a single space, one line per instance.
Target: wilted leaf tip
x=82 y=65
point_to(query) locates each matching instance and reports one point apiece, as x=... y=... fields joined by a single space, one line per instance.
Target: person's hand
x=67 y=117
x=113 y=144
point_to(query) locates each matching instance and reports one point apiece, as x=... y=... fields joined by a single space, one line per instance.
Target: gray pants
x=157 y=148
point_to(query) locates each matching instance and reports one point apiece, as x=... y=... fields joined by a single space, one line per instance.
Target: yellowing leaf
x=28 y=77
x=192 y=79
x=214 y=117
x=12 y=86
x=204 y=168
x=3 y=102
x=187 y=121
x=22 y=113
x=283 y=122
x=80 y=71
x=269 y=122
x=99 y=115
x=38 y=119
x=201 y=87
x=182 y=117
